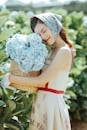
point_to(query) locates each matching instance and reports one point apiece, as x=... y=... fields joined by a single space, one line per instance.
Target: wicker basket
x=14 y=69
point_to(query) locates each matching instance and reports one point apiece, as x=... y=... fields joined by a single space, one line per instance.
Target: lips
x=47 y=39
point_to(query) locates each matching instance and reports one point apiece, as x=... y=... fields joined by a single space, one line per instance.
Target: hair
x=64 y=36
x=34 y=21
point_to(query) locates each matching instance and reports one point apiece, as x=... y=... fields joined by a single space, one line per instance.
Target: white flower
x=5 y=81
x=14 y=14
x=9 y=24
x=28 y=51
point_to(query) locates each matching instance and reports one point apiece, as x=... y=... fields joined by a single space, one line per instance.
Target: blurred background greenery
x=14 y=18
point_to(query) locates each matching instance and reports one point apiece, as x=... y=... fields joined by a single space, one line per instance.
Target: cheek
x=51 y=41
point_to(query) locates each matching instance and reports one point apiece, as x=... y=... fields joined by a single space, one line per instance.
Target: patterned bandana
x=53 y=21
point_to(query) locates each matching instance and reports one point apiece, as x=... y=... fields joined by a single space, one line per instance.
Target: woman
x=49 y=110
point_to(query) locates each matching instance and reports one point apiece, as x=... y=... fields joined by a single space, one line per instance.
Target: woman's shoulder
x=64 y=51
x=65 y=48
x=62 y=55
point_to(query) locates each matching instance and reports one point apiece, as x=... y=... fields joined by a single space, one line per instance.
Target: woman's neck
x=59 y=42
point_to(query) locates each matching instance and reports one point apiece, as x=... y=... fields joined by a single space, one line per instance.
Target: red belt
x=51 y=90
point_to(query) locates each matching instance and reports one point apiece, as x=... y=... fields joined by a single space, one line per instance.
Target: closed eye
x=43 y=30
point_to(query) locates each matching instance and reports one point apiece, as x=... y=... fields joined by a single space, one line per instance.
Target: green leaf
x=84 y=104
x=80 y=62
x=1 y=93
x=18 y=112
x=73 y=106
x=3 y=19
x=11 y=126
x=12 y=105
x=2 y=103
x=4 y=35
x=75 y=71
x=71 y=94
x=1 y=128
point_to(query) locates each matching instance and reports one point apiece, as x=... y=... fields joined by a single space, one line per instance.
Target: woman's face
x=45 y=33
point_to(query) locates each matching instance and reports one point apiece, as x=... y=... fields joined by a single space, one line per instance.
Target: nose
x=43 y=36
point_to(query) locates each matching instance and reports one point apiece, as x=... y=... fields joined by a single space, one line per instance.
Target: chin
x=50 y=42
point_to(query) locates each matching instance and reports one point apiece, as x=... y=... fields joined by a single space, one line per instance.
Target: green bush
x=16 y=104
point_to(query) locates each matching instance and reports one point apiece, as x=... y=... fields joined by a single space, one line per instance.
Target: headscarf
x=52 y=21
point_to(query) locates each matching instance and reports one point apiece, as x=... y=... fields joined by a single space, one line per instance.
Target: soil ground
x=79 y=125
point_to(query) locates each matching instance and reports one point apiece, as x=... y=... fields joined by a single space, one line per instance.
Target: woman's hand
x=12 y=81
x=19 y=85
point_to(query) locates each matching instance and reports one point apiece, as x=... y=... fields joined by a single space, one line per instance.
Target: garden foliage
x=16 y=104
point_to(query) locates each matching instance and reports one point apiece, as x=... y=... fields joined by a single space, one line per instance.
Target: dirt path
x=79 y=125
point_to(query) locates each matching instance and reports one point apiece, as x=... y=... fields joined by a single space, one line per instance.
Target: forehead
x=39 y=27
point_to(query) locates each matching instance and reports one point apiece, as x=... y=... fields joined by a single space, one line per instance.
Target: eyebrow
x=41 y=30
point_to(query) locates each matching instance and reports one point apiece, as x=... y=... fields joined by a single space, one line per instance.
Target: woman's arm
x=62 y=61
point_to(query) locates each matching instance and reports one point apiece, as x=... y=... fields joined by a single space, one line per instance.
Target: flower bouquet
x=27 y=54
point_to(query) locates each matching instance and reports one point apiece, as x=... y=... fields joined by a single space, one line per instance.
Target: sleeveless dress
x=50 y=111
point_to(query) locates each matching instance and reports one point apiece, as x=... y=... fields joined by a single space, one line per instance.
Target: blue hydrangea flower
x=28 y=51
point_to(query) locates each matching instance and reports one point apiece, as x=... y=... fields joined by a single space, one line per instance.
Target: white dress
x=50 y=111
